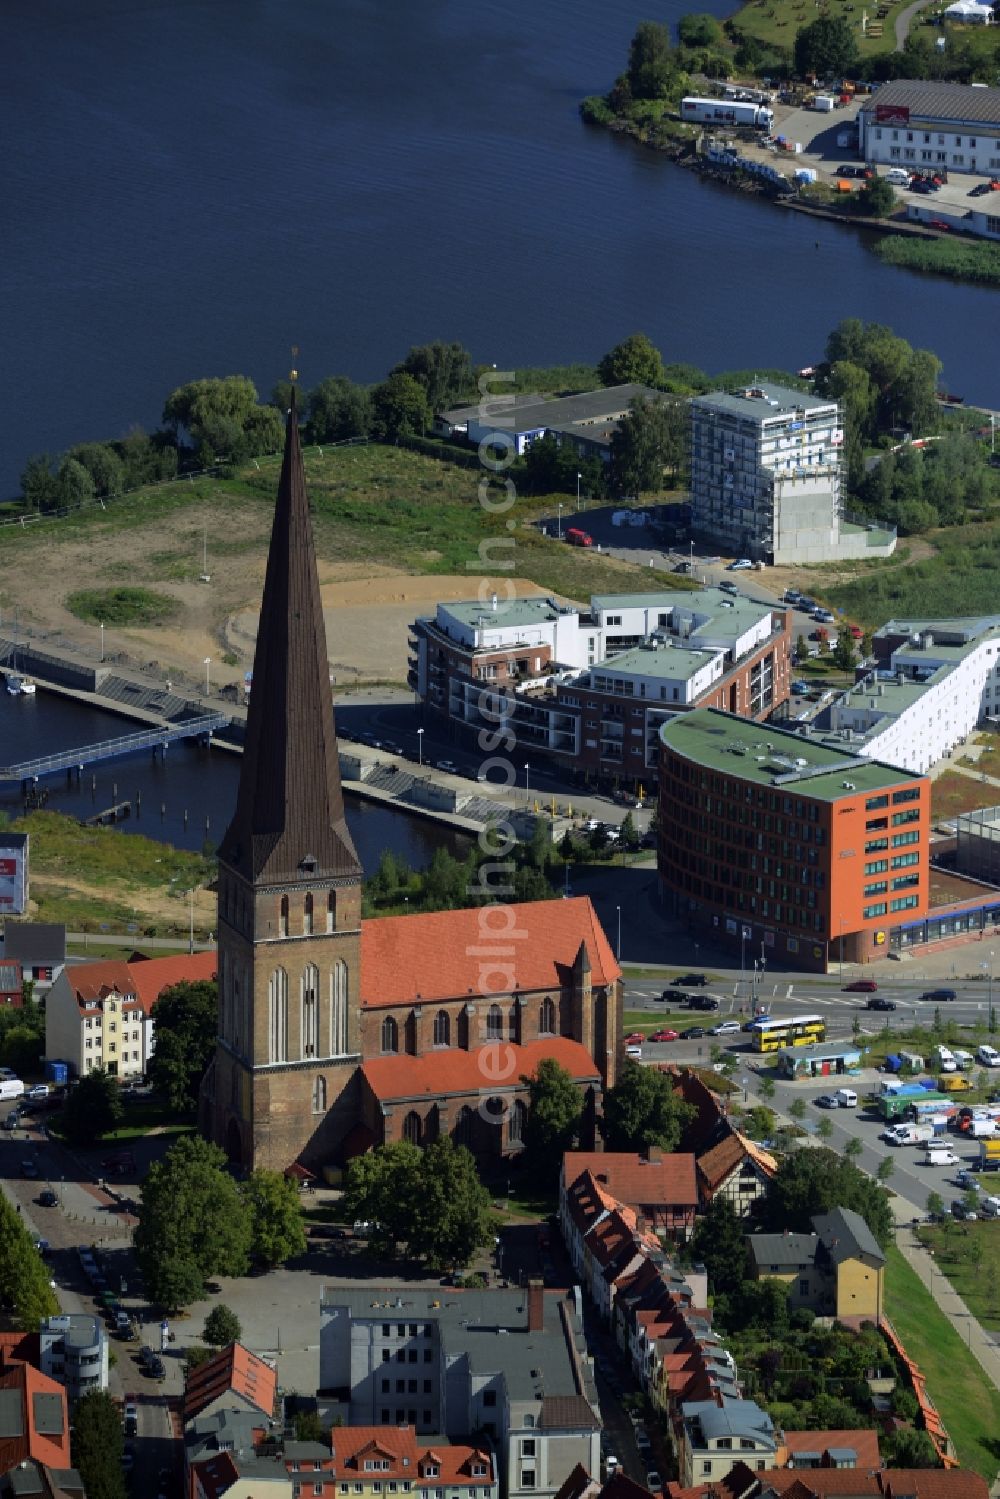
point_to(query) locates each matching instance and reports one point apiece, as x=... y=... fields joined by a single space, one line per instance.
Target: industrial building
x=930 y=126
x=586 y=422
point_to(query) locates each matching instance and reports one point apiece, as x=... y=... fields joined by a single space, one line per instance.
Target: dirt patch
x=817 y=580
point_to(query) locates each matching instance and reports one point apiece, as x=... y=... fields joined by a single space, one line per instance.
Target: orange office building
x=794 y=851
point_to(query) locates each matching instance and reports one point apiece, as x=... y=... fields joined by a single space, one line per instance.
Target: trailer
x=726 y=112
x=989 y=1155
x=915 y=1105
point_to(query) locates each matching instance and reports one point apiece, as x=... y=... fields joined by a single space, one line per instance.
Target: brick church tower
x=284 y=1085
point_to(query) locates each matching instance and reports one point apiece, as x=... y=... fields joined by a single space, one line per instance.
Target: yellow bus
x=771 y=1034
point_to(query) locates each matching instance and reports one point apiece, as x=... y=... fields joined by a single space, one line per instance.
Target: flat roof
x=532 y=611
x=773 y=400
x=768 y=756
x=669 y=661
x=559 y=411
x=938 y=101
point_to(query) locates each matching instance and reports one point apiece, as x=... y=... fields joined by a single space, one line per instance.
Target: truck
x=936 y=1106
x=907 y=1105
x=989 y=1155
x=909 y=1134
x=726 y=112
x=11 y=1088
x=967 y=1115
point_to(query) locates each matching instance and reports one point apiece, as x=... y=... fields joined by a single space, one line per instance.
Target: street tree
x=797 y=1108
x=93 y=1108
x=194 y=1223
x=970 y=1200
x=642 y=1109
x=935 y=1204
x=815 y=1181
x=843 y=653
x=24 y=1277
x=444 y=371
x=853 y=1148
x=338 y=409
x=824 y=1128
x=222 y=1327
x=399 y=408
x=767 y=1088
x=98 y=1445
x=627 y=833
x=634 y=361
x=648 y=442
x=275 y=1217
x=885 y=1169
x=555 y=1105
x=186 y=1020
x=826 y=48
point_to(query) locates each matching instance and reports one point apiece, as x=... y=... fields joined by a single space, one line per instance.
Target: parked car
x=47 y=1199
x=665 y=1035
x=131 y=1418
x=653 y=1479
x=725 y=1028
x=827 y=1101
x=966 y=1178
x=959 y=1210
x=449 y=766
x=727 y=587
x=693 y=1033
x=690 y=981
x=938 y=996
x=801 y=688
x=29 y=1169
x=38 y=1091
x=861 y=986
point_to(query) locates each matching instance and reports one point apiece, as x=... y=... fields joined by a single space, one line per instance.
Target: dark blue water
x=186 y=799
x=188 y=189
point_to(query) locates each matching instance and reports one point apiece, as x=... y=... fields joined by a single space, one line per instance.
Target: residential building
x=240 y=1455
x=233 y=1379
x=662 y=1189
x=373 y=1461
x=852 y=1448
x=861 y=1482
x=766 y=477
x=34 y=1434
x=932 y=126
x=73 y=1348
x=977 y=844
x=837 y=1270
x=101 y=1014
x=712 y=1435
x=585 y=422
x=590 y=686
x=511 y=1364
x=737 y=1169
x=14 y=873
x=39 y=950
x=804 y=851
x=11 y=993
x=336 y=1035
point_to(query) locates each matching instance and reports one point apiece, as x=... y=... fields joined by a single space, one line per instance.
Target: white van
x=988 y=1056
x=847 y=1098
x=11 y=1088
x=940 y=1155
x=898 y=176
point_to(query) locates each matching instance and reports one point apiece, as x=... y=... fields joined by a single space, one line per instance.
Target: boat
x=27 y=687
x=15 y=686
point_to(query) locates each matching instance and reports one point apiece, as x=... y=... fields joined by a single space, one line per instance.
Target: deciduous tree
x=275 y=1217
x=554 y=1110
x=719 y=1243
x=643 y=1109
x=815 y=1181
x=103 y=464
x=876 y=197
x=194 y=1223
x=186 y=1021
x=650 y=440
x=826 y=48
x=222 y=1327
x=93 y=1109
x=98 y=1445
x=444 y=371
x=338 y=409
x=432 y=1201
x=399 y=408
x=650 y=63
x=634 y=361
x=24 y=1277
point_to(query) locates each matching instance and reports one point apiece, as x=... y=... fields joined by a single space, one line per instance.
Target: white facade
x=110 y=1031
x=74 y=1350
x=932 y=126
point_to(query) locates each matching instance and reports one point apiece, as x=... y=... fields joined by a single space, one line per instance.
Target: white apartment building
x=932 y=126
x=939 y=678
x=73 y=1349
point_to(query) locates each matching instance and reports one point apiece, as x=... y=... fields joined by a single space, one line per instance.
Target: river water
x=186 y=799
x=190 y=189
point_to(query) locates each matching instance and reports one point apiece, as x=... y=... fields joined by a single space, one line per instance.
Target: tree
x=643 y=1109
x=222 y=1327
x=627 y=833
x=826 y=49
x=24 y=1277
x=650 y=66
x=767 y=1088
x=275 y=1216
x=885 y=1169
x=554 y=1109
x=39 y=484
x=824 y=1128
x=877 y=198
x=797 y=1108
x=98 y=1445
x=648 y=441
x=194 y=1223
x=186 y=1021
x=905 y=1448
x=935 y=1204
x=719 y=1243
x=338 y=409
x=431 y=1200
x=103 y=464
x=700 y=30
x=815 y=1181
x=93 y=1108
x=843 y=652
x=853 y=1148
x=444 y=371
x=634 y=361
x=399 y=408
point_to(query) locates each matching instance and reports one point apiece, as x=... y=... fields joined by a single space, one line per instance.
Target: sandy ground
x=367 y=614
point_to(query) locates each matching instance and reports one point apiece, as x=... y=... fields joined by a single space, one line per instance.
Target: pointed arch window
x=338 y=1009
x=283 y=917
x=463 y=1127
x=494 y=1024
x=390 y=1034
x=547 y=1017
x=310 y=1011
x=307 y=916
x=442 y=1029
x=319 y=1096
x=331 y=911
x=277 y=1016
x=235 y=1006
x=413 y=1128
x=516 y=1121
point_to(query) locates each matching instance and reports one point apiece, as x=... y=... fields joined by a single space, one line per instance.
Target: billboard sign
x=892 y=114
x=13 y=873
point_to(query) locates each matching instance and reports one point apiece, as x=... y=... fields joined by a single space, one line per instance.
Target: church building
x=337 y=1034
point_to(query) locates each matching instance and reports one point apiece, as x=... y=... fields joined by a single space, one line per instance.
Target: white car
x=725 y=1028
x=741 y=565
x=40 y=1090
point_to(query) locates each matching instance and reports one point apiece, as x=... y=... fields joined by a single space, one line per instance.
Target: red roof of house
x=37 y=1424
x=233 y=1371
x=89 y=981
x=934 y=1483
x=216 y=1474
x=146 y=979
x=458 y=954
x=495 y=1068
x=719 y=1162
x=863 y=1442
x=454 y=1461
x=821 y=1481
x=668 y=1182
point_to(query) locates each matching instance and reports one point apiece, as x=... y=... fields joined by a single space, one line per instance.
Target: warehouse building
x=928 y=127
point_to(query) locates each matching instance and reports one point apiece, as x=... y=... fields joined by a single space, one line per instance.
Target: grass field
x=963 y=567
x=960 y=259
x=953 y=793
x=988 y=761
x=969 y=1255
x=968 y=1403
x=776 y=22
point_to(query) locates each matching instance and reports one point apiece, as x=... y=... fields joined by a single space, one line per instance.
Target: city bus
x=772 y=1033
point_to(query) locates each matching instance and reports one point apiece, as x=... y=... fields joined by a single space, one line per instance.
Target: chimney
x=536 y=1305
x=653 y=1155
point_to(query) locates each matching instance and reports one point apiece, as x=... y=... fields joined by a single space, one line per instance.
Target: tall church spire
x=289 y=820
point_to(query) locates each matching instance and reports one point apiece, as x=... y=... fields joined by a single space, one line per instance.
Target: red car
x=665 y=1035
x=635 y=1039
x=861 y=986
x=856 y=633
x=940 y=225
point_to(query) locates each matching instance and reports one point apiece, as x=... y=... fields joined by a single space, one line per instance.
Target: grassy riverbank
x=963 y=260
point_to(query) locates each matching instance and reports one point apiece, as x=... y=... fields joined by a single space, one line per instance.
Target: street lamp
x=743 y=957
x=527 y=790
x=101 y=623
x=208 y=666
x=619 y=952
x=841 y=947
x=559 y=522
x=420 y=747
x=578 y=478
x=691 y=567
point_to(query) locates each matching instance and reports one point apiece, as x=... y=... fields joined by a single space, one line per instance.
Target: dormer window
x=309 y=864
x=431 y=1470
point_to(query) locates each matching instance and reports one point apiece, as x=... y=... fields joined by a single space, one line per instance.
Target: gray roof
x=589 y=406
x=231 y=1430
x=783 y=1249
x=739 y=1418
x=47 y=1410
x=956 y=102
x=11 y=1414
x=845 y=1234
x=35 y=941
x=773 y=400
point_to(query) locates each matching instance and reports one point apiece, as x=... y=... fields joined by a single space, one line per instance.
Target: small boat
x=15 y=686
x=27 y=687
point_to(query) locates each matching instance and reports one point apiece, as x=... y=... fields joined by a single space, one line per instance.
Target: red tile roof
x=495 y=1068
x=216 y=1474
x=39 y=1430
x=934 y=1483
x=863 y=1442
x=145 y=979
x=668 y=1182
x=89 y=981
x=454 y=954
x=454 y=1461
x=233 y=1371
x=820 y=1481
x=716 y=1164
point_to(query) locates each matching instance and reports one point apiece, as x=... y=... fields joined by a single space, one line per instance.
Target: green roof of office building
x=766 y=756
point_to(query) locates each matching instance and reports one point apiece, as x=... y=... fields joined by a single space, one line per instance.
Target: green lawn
x=969 y=1254
x=678 y=1020
x=953 y=793
x=968 y=1403
x=963 y=568
x=776 y=22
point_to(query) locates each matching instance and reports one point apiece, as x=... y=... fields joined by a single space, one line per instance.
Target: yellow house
x=837 y=1270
